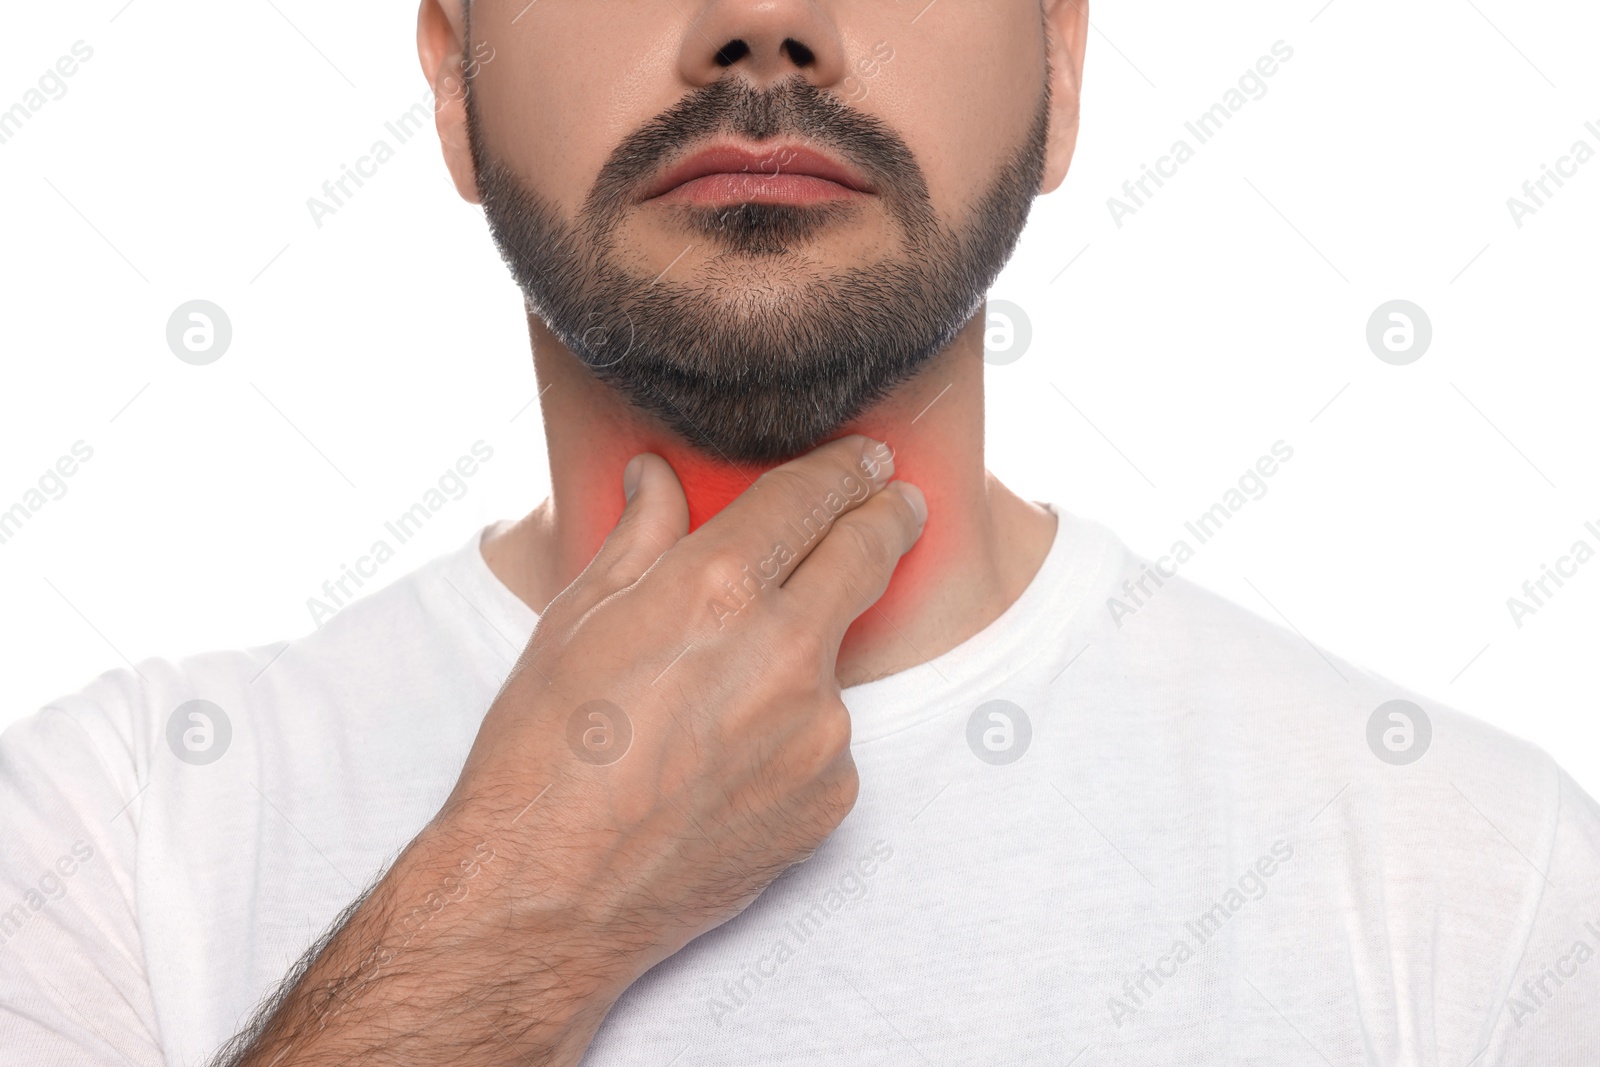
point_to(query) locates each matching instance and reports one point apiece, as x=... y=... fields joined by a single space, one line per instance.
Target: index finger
x=852 y=568
x=785 y=514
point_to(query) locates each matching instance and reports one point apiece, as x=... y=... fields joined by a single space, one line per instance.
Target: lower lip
x=758 y=189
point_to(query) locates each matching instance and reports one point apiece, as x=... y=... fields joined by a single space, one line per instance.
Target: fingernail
x=630 y=477
x=914 y=497
x=877 y=462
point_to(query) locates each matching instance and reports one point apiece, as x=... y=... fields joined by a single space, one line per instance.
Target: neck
x=980 y=547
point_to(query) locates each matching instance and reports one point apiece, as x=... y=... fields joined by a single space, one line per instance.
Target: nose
x=766 y=41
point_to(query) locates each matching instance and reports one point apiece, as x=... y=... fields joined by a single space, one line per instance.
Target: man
x=781 y=733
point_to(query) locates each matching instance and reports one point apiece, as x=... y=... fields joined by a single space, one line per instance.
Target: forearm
x=509 y=927
x=431 y=967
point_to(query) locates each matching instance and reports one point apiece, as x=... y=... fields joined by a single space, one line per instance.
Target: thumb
x=655 y=516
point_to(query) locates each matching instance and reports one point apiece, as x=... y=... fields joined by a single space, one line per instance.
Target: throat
x=979 y=548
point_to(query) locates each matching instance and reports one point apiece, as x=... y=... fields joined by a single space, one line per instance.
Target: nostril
x=802 y=56
x=731 y=53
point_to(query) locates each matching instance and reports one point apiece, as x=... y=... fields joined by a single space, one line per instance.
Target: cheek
x=963 y=99
x=523 y=108
x=570 y=82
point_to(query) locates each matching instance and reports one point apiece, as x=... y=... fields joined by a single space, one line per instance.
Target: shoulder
x=440 y=619
x=1443 y=856
x=1278 y=696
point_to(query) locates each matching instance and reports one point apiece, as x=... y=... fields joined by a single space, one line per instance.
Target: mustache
x=793 y=108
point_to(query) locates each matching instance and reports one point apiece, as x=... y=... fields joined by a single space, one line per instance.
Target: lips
x=781 y=167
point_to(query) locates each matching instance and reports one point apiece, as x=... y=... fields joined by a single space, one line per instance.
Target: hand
x=673 y=738
x=670 y=741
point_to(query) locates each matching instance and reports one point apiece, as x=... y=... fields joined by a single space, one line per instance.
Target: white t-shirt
x=1174 y=843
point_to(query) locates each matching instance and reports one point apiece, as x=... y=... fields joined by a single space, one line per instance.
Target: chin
x=768 y=282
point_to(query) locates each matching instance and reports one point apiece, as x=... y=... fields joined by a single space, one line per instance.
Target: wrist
x=441 y=930
x=507 y=892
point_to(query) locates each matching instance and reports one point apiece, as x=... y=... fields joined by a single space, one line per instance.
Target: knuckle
x=794 y=493
x=799 y=657
x=847 y=481
x=833 y=734
x=718 y=571
x=849 y=787
x=820 y=486
x=907 y=522
x=843 y=788
x=784 y=474
x=852 y=477
x=617 y=574
x=868 y=547
x=628 y=551
x=788 y=482
x=651 y=532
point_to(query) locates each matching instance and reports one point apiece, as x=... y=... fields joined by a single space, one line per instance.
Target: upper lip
x=766 y=159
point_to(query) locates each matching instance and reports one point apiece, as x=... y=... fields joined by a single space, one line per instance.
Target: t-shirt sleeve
x=1551 y=1013
x=73 y=985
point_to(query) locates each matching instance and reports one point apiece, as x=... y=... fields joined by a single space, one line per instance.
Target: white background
x=1167 y=354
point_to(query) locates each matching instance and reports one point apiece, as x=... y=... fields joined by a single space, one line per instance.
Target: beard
x=743 y=368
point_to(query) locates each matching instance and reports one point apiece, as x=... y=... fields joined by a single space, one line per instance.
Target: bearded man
x=782 y=732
